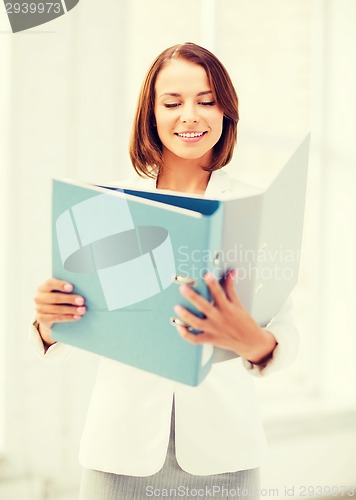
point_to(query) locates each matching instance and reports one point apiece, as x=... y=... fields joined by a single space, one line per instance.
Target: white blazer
x=218 y=425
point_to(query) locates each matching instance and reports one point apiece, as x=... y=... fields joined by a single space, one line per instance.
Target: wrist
x=46 y=336
x=261 y=354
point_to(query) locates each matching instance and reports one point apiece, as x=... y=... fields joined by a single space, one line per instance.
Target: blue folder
x=123 y=250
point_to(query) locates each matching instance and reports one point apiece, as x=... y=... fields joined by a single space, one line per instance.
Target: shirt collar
x=219 y=184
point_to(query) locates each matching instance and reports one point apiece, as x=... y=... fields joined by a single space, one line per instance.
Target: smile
x=188 y=135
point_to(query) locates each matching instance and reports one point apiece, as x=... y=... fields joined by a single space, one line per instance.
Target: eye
x=173 y=105
x=211 y=103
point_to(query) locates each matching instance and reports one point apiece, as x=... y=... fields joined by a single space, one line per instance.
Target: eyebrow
x=174 y=94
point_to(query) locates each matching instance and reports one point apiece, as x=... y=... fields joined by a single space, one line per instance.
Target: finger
x=59 y=298
x=55 y=284
x=215 y=289
x=60 y=310
x=190 y=318
x=230 y=289
x=197 y=300
x=193 y=338
x=57 y=318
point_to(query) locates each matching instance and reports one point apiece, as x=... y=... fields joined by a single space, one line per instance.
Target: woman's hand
x=54 y=304
x=227 y=323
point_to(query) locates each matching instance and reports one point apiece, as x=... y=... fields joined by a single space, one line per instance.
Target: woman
x=184 y=133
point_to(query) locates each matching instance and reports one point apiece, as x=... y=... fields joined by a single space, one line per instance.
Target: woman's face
x=189 y=122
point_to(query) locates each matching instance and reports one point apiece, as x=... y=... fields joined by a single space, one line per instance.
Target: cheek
x=217 y=122
x=164 y=123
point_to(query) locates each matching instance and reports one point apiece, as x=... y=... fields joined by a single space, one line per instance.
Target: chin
x=191 y=155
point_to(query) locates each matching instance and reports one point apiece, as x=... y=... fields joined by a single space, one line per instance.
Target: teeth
x=192 y=134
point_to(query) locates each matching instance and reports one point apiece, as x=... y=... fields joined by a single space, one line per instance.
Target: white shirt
x=218 y=424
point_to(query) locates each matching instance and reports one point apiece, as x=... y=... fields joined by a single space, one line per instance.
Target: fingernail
x=232 y=273
x=77 y=317
x=208 y=276
x=68 y=287
x=81 y=310
x=185 y=289
x=79 y=301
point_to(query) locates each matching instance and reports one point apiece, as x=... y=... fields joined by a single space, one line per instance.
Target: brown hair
x=145 y=144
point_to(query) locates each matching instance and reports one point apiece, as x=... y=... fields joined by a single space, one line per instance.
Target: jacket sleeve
x=56 y=352
x=283 y=329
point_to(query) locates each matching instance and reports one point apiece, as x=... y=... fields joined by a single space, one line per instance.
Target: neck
x=180 y=174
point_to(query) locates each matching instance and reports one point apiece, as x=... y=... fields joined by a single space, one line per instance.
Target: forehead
x=181 y=76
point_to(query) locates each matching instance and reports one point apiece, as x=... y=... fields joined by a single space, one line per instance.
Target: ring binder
x=169 y=239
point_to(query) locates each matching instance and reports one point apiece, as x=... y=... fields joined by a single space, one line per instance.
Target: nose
x=189 y=113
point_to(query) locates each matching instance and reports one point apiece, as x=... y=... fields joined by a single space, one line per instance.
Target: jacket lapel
x=219 y=184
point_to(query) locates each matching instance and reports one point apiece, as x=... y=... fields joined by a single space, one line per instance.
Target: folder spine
x=215 y=266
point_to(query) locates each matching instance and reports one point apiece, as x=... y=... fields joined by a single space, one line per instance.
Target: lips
x=190 y=134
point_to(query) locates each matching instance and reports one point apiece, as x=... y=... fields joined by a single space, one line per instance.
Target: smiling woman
x=184 y=133
x=186 y=91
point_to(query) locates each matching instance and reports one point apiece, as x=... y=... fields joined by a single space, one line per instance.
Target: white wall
x=68 y=92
